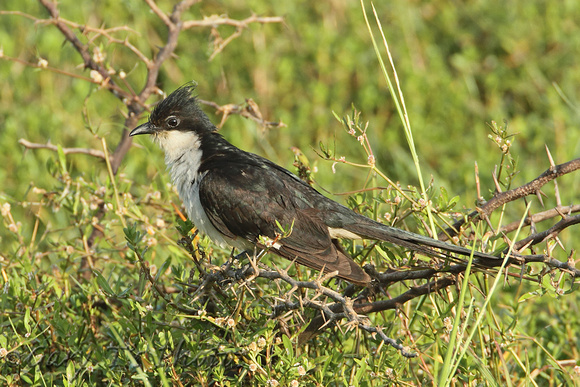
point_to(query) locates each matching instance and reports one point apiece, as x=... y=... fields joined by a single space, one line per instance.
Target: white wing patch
x=342 y=233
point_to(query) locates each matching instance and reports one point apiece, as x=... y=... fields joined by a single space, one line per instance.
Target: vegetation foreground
x=104 y=283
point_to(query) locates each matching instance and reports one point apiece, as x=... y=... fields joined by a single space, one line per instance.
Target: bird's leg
x=253 y=258
x=240 y=256
x=238 y=274
x=230 y=262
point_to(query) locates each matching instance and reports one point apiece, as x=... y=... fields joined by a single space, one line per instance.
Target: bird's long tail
x=369 y=229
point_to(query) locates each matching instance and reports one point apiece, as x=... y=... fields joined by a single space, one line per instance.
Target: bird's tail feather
x=355 y=274
x=422 y=244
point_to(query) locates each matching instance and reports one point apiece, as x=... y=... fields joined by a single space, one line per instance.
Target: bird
x=246 y=201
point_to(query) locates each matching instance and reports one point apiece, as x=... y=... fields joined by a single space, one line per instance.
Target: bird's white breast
x=183 y=159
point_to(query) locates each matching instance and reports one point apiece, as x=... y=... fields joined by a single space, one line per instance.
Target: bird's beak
x=146 y=128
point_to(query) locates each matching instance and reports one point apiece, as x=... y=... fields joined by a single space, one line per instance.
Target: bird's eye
x=172 y=121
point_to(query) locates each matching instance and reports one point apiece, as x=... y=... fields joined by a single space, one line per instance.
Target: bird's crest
x=181 y=100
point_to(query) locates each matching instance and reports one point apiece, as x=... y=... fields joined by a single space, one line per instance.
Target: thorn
x=524 y=247
x=477 y=183
x=327 y=276
x=506 y=239
x=564 y=216
x=254 y=263
x=494 y=176
x=488 y=221
x=290 y=265
x=559 y=242
x=326 y=323
x=319 y=278
x=539 y=195
x=282 y=272
x=571 y=262
x=542 y=193
x=551 y=246
x=552 y=164
x=532 y=223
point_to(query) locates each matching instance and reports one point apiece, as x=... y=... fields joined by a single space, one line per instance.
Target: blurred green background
x=461 y=65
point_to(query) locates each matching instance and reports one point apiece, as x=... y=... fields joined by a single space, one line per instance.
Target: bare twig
x=502 y=198
x=82 y=49
x=542 y=216
x=91 y=152
x=215 y=20
x=549 y=233
x=44 y=66
x=248 y=110
x=377 y=330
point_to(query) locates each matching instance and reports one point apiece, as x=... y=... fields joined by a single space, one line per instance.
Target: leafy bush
x=102 y=283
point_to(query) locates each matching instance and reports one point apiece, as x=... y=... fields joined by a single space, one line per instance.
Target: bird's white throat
x=176 y=143
x=183 y=159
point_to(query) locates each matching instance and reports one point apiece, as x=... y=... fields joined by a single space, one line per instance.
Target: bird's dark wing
x=248 y=198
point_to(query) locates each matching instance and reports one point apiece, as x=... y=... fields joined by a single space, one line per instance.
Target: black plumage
x=238 y=197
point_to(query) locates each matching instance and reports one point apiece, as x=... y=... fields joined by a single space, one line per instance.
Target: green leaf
x=288 y=346
x=530 y=295
x=103 y=283
x=361 y=371
x=61 y=159
x=184 y=227
x=70 y=374
x=382 y=252
x=163 y=268
x=132 y=236
x=27 y=320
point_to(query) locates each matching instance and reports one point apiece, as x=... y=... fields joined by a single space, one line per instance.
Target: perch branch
x=501 y=198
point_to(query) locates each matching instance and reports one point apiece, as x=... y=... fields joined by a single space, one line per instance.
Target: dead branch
x=91 y=152
x=541 y=216
x=215 y=21
x=248 y=110
x=344 y=305
x=549 y=233
x=82 y=49
x=501 y=198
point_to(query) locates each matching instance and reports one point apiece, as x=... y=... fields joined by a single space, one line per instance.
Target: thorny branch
x=549 y=233
x=353 y=307
x=214 y=21
x=438 y=276
x=115 y=81
x=501 y=198
x=541 y=216
x=343 y=307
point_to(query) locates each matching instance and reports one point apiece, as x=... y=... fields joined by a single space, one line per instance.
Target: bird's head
x=179 y=112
